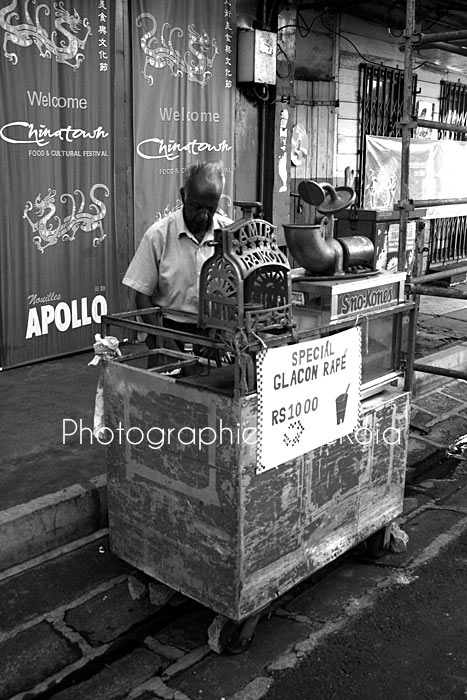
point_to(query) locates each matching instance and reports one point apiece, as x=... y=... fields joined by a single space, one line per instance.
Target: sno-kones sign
x=57 y=248
x=367 y=299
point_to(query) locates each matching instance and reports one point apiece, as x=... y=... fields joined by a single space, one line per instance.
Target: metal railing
x=417 y=284
x=448 y=241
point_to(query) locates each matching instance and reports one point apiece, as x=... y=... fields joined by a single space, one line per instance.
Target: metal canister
x=358 y=251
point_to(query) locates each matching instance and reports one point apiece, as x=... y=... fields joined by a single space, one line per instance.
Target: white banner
x=436 y=171
x=308 y=395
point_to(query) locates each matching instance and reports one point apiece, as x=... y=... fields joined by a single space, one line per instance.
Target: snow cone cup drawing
x=341 y=405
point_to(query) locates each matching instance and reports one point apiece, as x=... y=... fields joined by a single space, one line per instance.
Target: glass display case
x=375 y=303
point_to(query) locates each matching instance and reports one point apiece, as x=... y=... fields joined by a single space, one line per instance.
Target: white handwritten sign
x=308 y=395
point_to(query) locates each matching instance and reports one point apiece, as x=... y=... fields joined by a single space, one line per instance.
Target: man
x=166 y=266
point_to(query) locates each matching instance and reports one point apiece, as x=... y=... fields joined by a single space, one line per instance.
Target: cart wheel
x=236 y=637
x=231 y=637
x=377 y=544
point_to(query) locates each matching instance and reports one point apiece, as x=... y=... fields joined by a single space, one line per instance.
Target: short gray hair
x=211 y=172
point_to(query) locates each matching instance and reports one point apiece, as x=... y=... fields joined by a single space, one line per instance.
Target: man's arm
x=143 y=301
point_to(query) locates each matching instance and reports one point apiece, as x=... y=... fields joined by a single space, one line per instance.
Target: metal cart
x=188 y=502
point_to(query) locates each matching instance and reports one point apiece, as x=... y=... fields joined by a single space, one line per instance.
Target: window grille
x=448 y=236
x=381 y=96
x=453 y=108
x=448 y=241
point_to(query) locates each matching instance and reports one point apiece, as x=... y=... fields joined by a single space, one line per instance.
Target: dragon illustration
x=44 y=207
x=196 y=63
x=30 y=33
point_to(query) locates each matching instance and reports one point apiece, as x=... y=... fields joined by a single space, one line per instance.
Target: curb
x=48 y=522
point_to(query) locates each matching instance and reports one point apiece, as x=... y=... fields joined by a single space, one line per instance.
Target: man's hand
x=143 y=301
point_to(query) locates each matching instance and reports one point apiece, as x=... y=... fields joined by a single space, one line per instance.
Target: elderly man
x=166 y=267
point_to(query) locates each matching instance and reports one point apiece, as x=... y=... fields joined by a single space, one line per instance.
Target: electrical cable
x=265 y=96
x=307 y=28
x=295 y=25
x=334 y=31
x=367 y=60
x=283 y=77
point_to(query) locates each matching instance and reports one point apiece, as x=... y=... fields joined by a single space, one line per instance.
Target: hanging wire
x=367 y=60
x=264 y=97
x=334 y=31
x=307 y=28
x=304 y=30
x=391 y=18
x=395 y=36
x=283 y=77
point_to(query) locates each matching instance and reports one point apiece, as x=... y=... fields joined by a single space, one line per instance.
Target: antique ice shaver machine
x=315 y=249
x=245 y=288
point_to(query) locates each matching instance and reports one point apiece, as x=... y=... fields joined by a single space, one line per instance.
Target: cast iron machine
x=245 y=290
x=245 y=286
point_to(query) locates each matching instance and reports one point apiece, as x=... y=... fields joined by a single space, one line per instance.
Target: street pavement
x=75 y=624
x=409 y=644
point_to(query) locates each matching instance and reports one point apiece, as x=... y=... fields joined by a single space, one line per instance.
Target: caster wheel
x=229 y=637
x=238 y=636
x=377 y=543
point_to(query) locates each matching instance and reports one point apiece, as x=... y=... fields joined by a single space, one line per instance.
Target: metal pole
x=422 y=203
x=443 y=371
x=459 y=128
x=407 y=123
x=440 y=36
x=444 y=46
x=438 y=291
x=406 y=134
x=440 y=275
x=410 y=357
x=404 y=203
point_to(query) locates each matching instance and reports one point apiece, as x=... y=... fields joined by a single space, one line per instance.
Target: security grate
x=448 y=237
x=381 y=95
x=453 y=108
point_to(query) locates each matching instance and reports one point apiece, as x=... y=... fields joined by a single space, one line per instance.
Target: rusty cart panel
x=189 y=508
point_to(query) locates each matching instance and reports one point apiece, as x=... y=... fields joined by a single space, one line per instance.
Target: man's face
x=200 y=204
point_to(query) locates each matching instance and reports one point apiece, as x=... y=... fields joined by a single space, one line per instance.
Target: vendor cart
x=200 y=495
